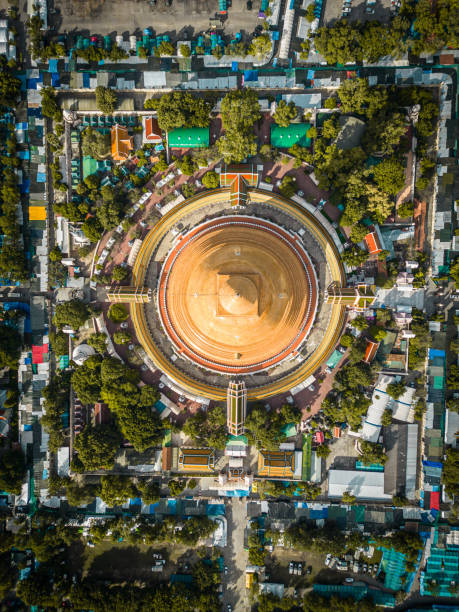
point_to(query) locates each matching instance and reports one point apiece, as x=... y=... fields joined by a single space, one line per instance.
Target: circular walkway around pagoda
x=237 y=294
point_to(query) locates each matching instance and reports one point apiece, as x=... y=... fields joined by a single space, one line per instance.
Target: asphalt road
x=234 y=591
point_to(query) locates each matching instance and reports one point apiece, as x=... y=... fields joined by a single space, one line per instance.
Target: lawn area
x=123 y=561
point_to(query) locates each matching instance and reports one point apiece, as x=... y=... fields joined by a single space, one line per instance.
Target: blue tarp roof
x=436 y=353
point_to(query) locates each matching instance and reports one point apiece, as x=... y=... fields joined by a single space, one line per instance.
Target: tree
x=74 y=313
x=347 y=340
x=358 y=97
x=290 y=413
x=384 y=132
x=118 y=313
x=331 y=102
x=98 y=341
x=386 y=418
x=185 y=51
x=180 y=109
x=120 y=273
x=94 y=144
x=358 y=232
x=208 y=429
x=12 y=471
x=122 y=337
x=406 y=209
x=239 y=111
x=106 y=99
x=59 y=343
x=97 y=447
x=236 y=146
x=323 y=451
x=354 y=256
x=10 y=85
x=372 y=452
x=149 y=491
x=396 y=389
x=187 y=165
x=389 y=175
x=55 y=254
x=312 y=133
x=260 y=46
x=285 y=113
x=115 y=490
x=450 y=473
x=92 y=229
x=10 y=346
x=141 y=426
x=359 y=323
x=165 y=48
x=288 y=186
x=263 y=429
x=348 y=498
x=49 y=106
x=211 y=180
x=176 y=487
x=86 y=380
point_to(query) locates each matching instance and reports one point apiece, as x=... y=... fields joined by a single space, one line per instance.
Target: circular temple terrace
x=237 y=295
x=238 y=291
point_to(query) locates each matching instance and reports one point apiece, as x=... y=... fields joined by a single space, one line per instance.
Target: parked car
x=309 y=570
x=226 y=569
x=328 y=559
x=349 y=580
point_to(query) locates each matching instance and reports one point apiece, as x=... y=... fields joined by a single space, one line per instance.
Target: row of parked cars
x=296 y=568
x=345 y=566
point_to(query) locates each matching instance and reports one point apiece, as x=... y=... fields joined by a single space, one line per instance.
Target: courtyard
x=188 y=17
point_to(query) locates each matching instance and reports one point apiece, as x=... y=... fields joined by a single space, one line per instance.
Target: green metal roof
x=237 y=440
x=182 y=138
x=289 y=430
x=334 y=359
x=285 y=137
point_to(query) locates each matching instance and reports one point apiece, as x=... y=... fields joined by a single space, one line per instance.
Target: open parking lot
x=334 y=8
x=190 y=16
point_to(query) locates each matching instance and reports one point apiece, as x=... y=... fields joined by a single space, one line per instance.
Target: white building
x=402 y=408
x=364 y=485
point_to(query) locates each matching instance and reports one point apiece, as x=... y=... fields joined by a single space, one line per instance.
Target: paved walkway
x=234 y=591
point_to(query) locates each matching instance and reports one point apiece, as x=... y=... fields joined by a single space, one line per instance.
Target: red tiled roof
x=372 y=243
x=370 y=351
x=152 y=130
x=319 y=436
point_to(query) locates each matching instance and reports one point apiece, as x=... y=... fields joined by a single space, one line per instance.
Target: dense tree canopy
x=106 y=99
x=211 y=180
x=372 y=453
x=450 y=474
x=179 y=109
x=97 y=447
x=239 y=111
x=358 y=97
x=12 y=470
x=389 y=175
x=94 y=143
x=285 y=113
x=208 y=428
x=74 y=313
x=115 y=490
x=10 y=346
x=264 y=429
x=9 y=84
